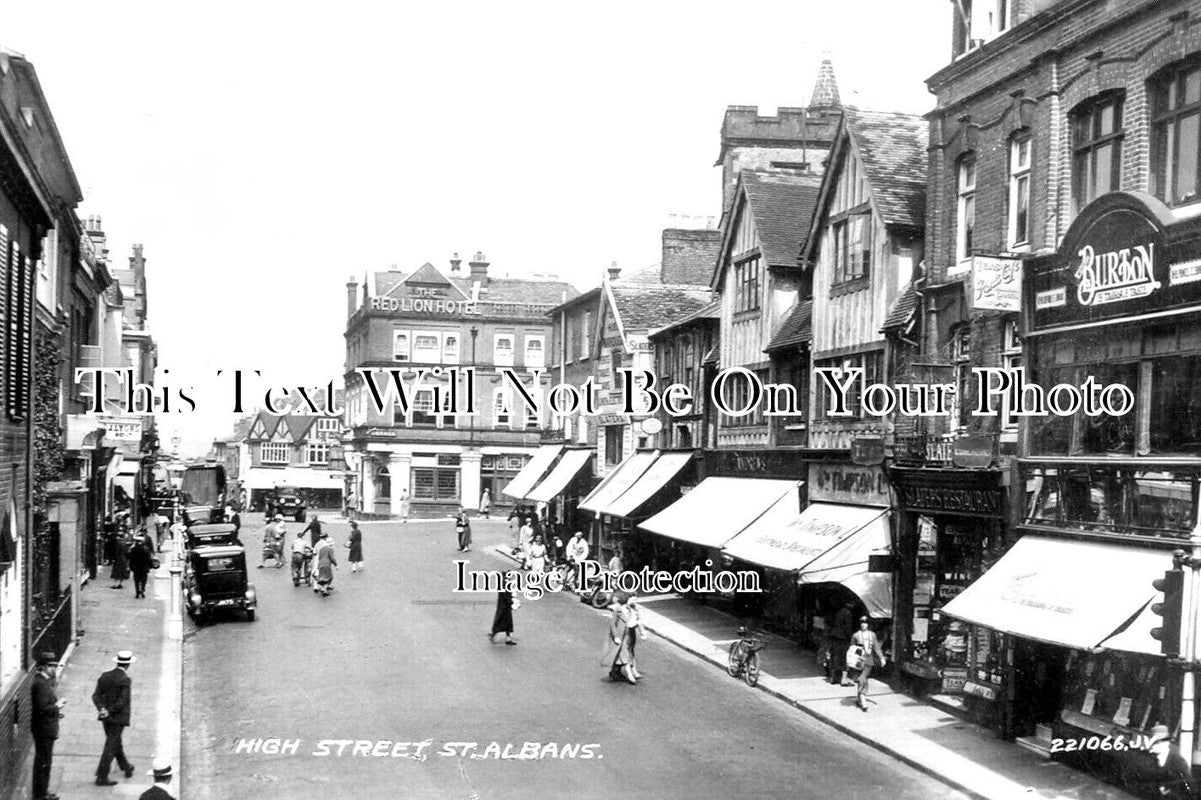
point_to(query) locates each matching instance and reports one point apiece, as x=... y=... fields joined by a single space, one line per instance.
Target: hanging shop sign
x=1116 y=262
x=996 y=283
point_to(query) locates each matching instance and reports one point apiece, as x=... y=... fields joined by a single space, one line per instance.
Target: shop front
x=647 y=490
x=1108 y=485
x=950 y=530
x=604 y=532
x=560 y=491
x=692 y=531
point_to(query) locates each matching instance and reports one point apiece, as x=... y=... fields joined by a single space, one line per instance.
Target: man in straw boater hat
x=45 y=712
x=162 y=779
x=112 y=700
x=1169 y=775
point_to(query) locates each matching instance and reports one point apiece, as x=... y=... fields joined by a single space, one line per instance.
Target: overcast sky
x=264 y=151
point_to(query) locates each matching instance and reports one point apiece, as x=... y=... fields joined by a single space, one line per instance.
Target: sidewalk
x=114 y=620
x=965 y=756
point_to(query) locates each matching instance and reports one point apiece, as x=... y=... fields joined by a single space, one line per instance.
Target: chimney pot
x=479 y=268
x=455 y=261
x=614 y=271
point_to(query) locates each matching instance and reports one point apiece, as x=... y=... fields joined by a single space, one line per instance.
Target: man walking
x=46 y=711
x=313 y=529
x=112 y=700
x=140 y=564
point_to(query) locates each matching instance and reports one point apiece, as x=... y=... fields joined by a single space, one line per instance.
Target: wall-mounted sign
x=434 y=306
x=120 y=428
x=756 y=464
x=1116 y=262
x=948 y=492
x=996 y=283
x=847 y=483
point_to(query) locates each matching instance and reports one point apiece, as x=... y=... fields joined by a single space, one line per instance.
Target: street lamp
x=475 y=332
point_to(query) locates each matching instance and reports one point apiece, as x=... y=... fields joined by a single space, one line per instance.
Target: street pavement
x=393 y=655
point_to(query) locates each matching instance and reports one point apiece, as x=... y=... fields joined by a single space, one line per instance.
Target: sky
x=263 y=152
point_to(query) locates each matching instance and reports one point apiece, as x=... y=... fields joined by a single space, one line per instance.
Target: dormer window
x=979 y=21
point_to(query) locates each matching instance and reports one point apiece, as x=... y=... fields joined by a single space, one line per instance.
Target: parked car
x=215 y=579
x=287 y=502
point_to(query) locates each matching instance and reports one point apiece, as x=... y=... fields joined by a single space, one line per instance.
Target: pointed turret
x=825 y=90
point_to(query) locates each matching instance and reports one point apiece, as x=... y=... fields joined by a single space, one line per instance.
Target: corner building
x=427 y=319
x=1067 y=136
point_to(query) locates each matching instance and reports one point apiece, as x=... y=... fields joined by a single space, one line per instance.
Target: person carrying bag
x=864 y=649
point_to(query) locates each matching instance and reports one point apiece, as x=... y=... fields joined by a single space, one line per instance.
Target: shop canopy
x=570 y=465
x=825 y=543
x=666 y=467
x=622 y=477
x=718 y=509
x=534 y=469
x=1066 y=592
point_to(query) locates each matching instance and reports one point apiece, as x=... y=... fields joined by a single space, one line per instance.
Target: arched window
x=1096 y=148
x=1176 y=132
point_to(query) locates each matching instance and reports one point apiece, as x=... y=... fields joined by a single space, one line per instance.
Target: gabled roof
x=795 y=330
x=428 y=275
x=902 y=309
x=643 y=306
x=781 y=206
x=891 y=147
x=298 y=425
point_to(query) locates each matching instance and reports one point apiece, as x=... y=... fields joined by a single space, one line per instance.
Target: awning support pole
x=1188 y=698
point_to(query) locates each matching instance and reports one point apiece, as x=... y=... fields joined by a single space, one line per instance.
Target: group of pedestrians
x=112 y=698
x=131 y=554
x=313 y=555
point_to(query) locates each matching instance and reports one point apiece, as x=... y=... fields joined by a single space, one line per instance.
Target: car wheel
x=300 y=516
x=250 y=615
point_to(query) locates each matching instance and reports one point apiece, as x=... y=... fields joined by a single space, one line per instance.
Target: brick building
x=1065 y=132
x=427 y=319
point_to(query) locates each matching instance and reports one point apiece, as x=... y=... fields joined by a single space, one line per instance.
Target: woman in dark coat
x=355 y=542
x=502 y=620
x=120 y=562
x=140 y=563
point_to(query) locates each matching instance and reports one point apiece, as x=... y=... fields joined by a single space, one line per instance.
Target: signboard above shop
x=996 y=283
x=1117 y=261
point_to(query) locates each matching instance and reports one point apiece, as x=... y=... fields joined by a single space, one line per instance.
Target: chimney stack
x=352 y=296
x=614 y=271
x=455 y=261
x=479 y=269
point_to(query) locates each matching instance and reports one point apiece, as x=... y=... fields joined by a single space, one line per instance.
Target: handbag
x=154 y=563
x=855 y=657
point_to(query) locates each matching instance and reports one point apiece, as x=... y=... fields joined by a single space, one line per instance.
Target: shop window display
x=950 y=555
x=1128 y=690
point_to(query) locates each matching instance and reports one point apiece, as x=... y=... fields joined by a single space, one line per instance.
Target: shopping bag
x=855 y=657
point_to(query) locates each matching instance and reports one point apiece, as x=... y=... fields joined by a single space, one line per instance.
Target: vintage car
x=202 y=515
x=286 y=502
x=200 y=535
x=215 y=580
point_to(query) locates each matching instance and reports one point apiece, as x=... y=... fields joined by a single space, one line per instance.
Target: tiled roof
x=642 y=306
x=797 y=328
x=902 y=309
x=496 y=290
x=711 y=311
x=892 y=149
x=782 y=206
x=428 y=274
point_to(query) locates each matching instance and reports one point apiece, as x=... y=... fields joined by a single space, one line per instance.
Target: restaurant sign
x=1116 y=262
x=948 y=492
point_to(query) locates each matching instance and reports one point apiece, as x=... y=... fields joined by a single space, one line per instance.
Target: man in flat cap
x=45 y=712
x=112 y=698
